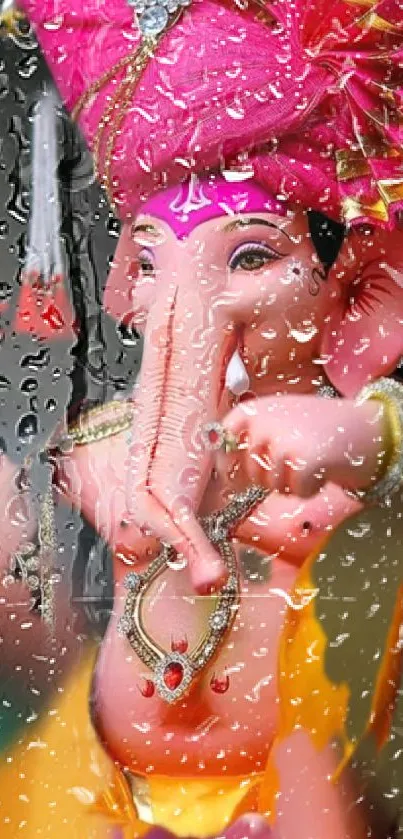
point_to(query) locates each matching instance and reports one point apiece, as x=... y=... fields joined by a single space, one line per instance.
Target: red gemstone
x=173 y=675
x=148 y=688
x=179 y=645
x=219 y=685
x=214 y=437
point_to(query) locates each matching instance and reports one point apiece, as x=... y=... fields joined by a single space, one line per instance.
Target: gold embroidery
x=354 y=208
x=391 y=190
x=351 y=164
x=366 y=3
x=373 y=21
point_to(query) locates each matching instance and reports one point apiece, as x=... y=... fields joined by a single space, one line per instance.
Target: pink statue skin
x=196 y=297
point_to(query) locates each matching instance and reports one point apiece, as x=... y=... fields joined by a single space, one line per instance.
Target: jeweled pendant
x=173 y=673
x=173 y=676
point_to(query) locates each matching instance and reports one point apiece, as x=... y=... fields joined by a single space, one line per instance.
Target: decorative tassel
x=44 y=308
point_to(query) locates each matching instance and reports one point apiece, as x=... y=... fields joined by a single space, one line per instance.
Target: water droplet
x=17 y=511
x=303 y=335
x=29 y=385
x=36 y=361
x=236 y=112
x=85 y=796
x=359 y=529
x=113 y=226
x=5 y=383
x=339 y=640
x=255 y=693
x=4 y=86
x=27 y=428
x=127 y=334
x=5 y=292
x=33 y=404
x=28 y=66
x=269 y=333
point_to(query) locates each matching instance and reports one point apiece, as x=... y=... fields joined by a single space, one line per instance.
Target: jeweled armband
x=390 y=394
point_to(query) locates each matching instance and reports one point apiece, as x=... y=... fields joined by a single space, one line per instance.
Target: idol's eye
x=252 y=256
x=146 y=262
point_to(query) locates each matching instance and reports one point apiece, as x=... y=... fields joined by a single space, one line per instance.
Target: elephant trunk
x=179 y=391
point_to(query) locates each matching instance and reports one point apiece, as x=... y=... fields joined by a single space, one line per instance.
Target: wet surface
x=43 y=384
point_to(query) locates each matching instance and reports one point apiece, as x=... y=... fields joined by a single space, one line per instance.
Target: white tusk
x=237 y=379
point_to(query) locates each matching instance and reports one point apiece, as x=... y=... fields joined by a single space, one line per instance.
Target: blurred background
x=103 y=362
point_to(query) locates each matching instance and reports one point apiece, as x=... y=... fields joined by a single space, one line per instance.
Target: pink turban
x=307 y=94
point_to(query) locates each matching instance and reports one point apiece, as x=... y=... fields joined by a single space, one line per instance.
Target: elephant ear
x=127 y=296
x=363 y=336
x=117 y=294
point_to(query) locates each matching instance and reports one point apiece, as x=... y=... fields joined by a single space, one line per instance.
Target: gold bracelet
x=83 y=431
x=390 y=477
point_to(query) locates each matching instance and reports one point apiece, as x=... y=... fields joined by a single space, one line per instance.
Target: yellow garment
x=190 y=806
x=309 y=700
x=56 y=769
x=200 y=807
x=60 y=783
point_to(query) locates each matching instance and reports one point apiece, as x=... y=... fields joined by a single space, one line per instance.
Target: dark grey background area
x=103 y=361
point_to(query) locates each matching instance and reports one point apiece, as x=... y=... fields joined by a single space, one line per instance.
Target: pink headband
x=201 y=199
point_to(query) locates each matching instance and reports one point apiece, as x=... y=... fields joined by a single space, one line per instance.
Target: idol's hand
x=295 y=444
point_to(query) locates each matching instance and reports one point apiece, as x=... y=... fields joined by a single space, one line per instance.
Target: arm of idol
x=92 y=477
x=296 y=444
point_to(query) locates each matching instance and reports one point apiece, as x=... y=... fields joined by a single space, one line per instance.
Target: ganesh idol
x=253 y=155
